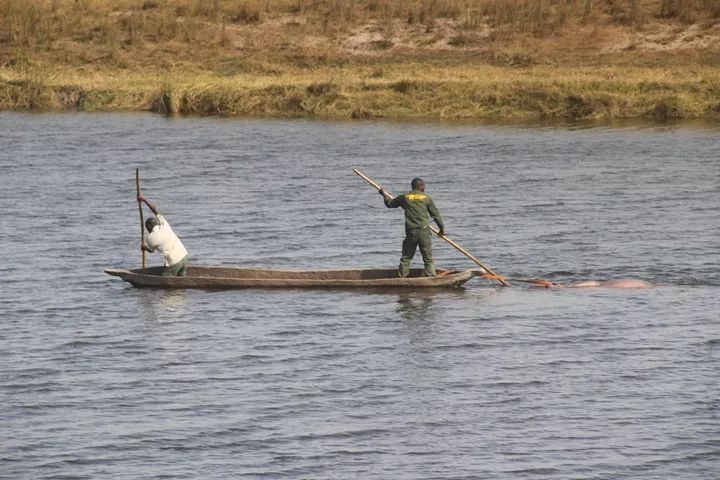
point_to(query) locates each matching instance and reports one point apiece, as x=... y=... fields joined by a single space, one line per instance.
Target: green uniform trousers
x=413 y=238
x=178 y=269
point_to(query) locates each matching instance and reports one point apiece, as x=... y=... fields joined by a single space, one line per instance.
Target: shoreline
x=416 y=91
x=548 y=123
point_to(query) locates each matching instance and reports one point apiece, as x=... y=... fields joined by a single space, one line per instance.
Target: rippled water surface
x=102 y=380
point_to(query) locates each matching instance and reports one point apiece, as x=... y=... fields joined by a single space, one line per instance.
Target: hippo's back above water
x=618 y=283
x=625 y=283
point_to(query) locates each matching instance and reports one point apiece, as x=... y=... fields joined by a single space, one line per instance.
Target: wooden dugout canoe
x=235 y=277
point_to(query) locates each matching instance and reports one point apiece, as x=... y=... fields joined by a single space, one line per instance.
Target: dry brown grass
x=364 y=58
x=403 y=90
x=38 y=23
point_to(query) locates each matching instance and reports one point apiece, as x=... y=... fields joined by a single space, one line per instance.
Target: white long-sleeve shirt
x=164 y=239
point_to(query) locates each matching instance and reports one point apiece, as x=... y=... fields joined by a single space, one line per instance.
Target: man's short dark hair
x=416 y=182
x=150 y=223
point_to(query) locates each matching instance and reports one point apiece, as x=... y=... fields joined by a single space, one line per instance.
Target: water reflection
x=165 y=305
x=413 y=307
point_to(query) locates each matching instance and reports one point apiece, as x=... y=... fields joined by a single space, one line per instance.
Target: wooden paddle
x=142 y=220
x=490 y=274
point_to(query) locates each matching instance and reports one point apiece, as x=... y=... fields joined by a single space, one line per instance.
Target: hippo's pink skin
x=584 y=284
x=619 y=283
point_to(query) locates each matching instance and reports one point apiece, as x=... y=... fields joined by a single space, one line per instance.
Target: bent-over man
x=162 y=238
x=417 y=205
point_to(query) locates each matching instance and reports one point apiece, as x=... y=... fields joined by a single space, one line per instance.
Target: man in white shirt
x=161 y=237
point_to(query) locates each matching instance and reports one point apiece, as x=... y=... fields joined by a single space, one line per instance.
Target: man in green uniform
x=417 y=205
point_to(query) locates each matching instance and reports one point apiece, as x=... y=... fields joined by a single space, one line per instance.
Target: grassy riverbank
x=498 y=59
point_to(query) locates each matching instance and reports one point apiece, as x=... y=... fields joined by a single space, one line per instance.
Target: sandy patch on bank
x=660 y=37
x=439 y=35
x=290 y=32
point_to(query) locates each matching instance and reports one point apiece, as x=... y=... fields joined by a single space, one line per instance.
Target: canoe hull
x=232 y=277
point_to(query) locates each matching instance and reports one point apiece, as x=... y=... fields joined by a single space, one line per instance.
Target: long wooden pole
x=492 y=275
x=142 y=220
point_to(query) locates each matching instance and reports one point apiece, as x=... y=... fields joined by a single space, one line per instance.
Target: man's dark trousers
x=421 y=237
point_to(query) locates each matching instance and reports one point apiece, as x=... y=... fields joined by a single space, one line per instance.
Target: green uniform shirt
x=417 y=206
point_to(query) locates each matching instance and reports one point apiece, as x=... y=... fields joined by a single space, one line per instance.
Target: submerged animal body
x=617 y=283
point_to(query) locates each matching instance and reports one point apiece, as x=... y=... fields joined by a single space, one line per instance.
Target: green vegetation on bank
x=499 y=59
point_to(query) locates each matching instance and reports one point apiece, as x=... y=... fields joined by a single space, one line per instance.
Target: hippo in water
x=617 y=283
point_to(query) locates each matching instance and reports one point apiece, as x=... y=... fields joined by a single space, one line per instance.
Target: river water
x=102 y=380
